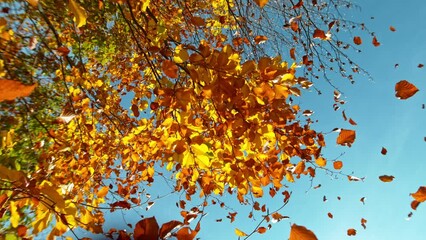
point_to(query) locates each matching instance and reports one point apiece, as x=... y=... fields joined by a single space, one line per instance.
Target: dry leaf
x=301 y=233
x=386 y=178
x=10 y=89
x=404 y=89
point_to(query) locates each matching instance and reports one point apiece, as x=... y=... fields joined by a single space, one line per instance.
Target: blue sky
x=383 y=121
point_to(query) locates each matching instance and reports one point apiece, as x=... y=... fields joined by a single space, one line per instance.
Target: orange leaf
x=357 y=40
x=260 y=39
x=261 y=3
x=170 y=69
x=392 y=28
x=168 y=227
x=337 y=165
x=103 y=192
x=146 y=229
x=420 y=195
x=375 y=42
x=330 y=215
x=384 y=151
x=261 y=230
x=62 y=51
x=352 y=122
x=301 y=233
x=11 y=89
x=404 y=89
x=346 y=137
x=414 y=204
x=363 y=222
x=21 y=230
x=185 y=234
x=318 y=33
x=351 y=232
x=386 y=178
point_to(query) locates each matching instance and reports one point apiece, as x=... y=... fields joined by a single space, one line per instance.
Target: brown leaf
x=362 y=200
x=386 y=178
x=298 y=5
x=414 y=204
x=318 y=33
x=301 y=233
x=420 y=195
x=10 y=89
x=168 y=227
x=330 y=215
x=185 y=234
x=260 y=39
x=346 y=137
x=375 y=42
x=357 y=40
x=63 y=51
x=392 y=28
x=170 y=69
x=351 y=232
x=292 y=54
x=261 y=230
x=404 y=89
x=146 y=229
x=352 y=122
x=420 y=65
x=384 y=151
x=135 y=110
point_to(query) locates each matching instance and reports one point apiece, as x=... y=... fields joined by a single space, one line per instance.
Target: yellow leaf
x=79 y=13
x=240 y=233
x=289 y=176
x=103 y=192
x=33 y=3
x=53 y=195
x=181 y=55
x=42 y=219
x=14 y=214
x=321 y=162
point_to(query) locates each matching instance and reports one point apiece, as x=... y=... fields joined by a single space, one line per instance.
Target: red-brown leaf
x=392 y=28
x=405 y=89
x=351 y=232
x=420 y=195
x=170 y=69
x=357 y=40
x=146 y=229
x=346 y=137
x=384 y=151
x=168 y=227
x=375 y=42
x=386 y=178
x=414 y=204
x=301 y=233
x=318 y=33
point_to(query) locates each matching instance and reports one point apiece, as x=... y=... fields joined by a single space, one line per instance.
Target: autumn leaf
x=375 y=42
x=357 y=40
x=292 y=54
x=420 y=65
x=384 y=151
x=240 y=233
x=352 y=122
x=79 y=13
x=261 y=230
x=405 y=90
x=318 y=33
x=346 y=137
x=260 y=39
x=392 y=28
x=21 y=230
x=33 y=3
x=10 y=89
x=420 y=195
x=414 y=204
x=351 y=232
x=301 y=233
x=321 y=162
x=261 y=3
x=386 y=178
x=146 y=229
x=363 y=222
x=170 y=69
x=330 y=215
x=103 y=192
x=298 y=5
x=167 y=227
x=337 y=165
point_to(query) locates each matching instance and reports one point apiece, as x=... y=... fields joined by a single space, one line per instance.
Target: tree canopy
x=100 y=99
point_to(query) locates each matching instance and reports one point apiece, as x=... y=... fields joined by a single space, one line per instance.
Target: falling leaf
x=337 y=165
x=324 y=199
x=62 y=51
x=357 y=40
x=346 y=137
x=375 y=42
x=396 y=65
x=321 y=162
x=330 y=215
x=392 y=28
x=79 y=13
x=301 y=233
x=420 y=195
x=363 y=222
x=362 y=200
x=298 y=5
x=292 y=54
x=384 y=151
x=11 y=89
x=414 y=204
x=420 y=65
x=146 y=229
x=260 y=39
x=170 y=69
x=351 y=232
x=386 y=178
x=261 y=3
x=240 y=233
x=404 y=89
x=103 y=192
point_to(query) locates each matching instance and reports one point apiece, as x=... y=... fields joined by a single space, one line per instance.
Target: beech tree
x=127 y=90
